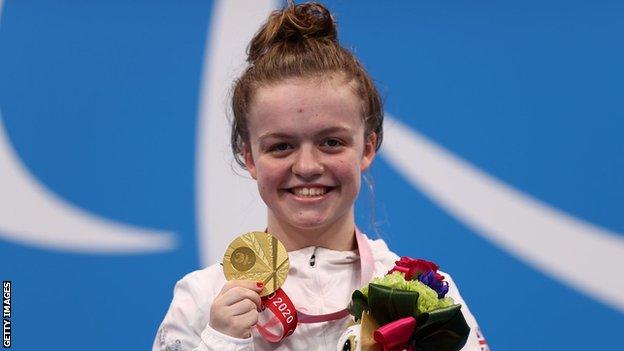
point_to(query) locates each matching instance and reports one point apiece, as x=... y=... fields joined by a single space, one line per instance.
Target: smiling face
x=307 y=150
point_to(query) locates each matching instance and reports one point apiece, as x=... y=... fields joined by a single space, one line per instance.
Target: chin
x=312 y=222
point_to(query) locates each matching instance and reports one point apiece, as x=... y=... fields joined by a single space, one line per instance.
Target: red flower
x=439 y=277
x=411 y=267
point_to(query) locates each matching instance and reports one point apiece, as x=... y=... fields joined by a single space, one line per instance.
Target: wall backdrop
x=503 y=159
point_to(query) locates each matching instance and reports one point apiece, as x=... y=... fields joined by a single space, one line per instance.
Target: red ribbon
x=283 y=314
x=395 y=335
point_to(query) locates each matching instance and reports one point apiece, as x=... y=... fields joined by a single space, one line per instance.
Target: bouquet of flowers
x=406 y=310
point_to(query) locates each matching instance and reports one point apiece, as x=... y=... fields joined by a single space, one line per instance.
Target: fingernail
x=260 y=285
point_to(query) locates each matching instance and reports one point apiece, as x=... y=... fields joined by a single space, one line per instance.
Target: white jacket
x=321 y=288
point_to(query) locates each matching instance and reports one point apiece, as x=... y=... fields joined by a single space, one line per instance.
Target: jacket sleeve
x=475 y=341
x=185 y=326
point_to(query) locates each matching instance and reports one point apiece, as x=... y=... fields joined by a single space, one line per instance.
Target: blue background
x=100 y=100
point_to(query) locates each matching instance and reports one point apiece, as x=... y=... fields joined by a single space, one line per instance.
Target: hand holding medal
x=259 y=256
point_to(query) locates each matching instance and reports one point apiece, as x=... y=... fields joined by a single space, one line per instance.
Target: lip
x=312 y=185
x=309 y=199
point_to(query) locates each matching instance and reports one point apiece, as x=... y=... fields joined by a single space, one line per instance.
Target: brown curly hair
x=300 y=41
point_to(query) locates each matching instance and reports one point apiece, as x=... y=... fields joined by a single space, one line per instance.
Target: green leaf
x=441 y=330
x=389 y=304
x=437 y=317
x=359 y=303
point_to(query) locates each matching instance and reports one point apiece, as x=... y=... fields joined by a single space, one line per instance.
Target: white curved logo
x=540 y=235
x=32 y=215
x=227 y=201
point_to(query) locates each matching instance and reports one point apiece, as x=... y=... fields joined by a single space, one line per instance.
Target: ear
x=369 y=151
x=249 y=162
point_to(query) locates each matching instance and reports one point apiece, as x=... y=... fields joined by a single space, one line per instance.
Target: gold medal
x=257 y=256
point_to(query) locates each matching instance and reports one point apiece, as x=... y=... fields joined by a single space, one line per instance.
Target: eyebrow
x=335 y=129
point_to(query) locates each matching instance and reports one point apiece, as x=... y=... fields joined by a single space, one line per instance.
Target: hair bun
x=293 y=24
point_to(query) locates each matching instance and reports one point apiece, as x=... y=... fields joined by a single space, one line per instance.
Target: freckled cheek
x=345 y=169
x=269 y=176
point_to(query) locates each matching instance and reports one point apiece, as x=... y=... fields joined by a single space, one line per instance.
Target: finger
x=241 y=307
x=249 y=284
x=249 y=319
x=237 y=294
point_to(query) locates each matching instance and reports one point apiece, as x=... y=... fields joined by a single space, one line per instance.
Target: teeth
x=309 y=192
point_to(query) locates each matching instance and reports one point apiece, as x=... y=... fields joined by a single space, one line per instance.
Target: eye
x=332 y=143
x=281 y=147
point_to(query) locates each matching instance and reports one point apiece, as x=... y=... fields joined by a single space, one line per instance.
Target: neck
x=339 y=235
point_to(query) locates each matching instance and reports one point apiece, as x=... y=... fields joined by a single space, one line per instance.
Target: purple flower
x=429 y=278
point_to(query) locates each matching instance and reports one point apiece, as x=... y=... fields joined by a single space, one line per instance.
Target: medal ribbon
x=283 y=317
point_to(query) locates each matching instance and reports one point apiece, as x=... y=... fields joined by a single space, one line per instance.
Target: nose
x=307 y=163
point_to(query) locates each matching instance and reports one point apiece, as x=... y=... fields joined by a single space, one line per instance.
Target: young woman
x=307 y=123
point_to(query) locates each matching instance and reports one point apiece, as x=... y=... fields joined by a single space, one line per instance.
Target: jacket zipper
x=313 y=258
